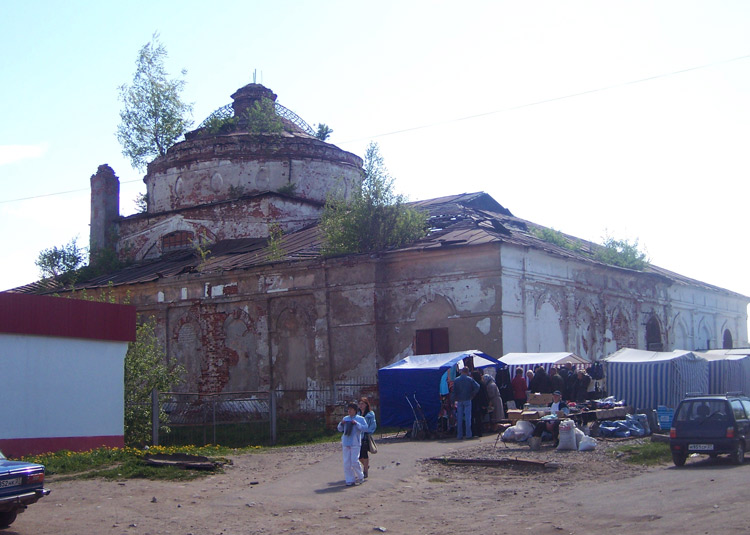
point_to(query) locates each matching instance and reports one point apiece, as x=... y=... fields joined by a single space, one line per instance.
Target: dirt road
x=301 y=490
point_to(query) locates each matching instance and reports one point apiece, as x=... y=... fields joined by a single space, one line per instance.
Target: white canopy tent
x=529 y=361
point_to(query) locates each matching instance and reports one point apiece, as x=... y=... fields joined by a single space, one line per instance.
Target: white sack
x=567 y=437
x=587 y=444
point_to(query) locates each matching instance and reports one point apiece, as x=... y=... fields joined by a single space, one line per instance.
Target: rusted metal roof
x=464 y=220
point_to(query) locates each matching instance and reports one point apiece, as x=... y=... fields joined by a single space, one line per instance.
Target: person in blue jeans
x=464 y=389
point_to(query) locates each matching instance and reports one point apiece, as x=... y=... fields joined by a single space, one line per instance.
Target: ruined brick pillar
x=105 y=209
x=246 y=97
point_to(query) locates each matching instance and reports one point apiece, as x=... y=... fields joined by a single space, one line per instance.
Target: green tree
x=324 y=132
x=146 y=369
x=375 y=218
x=141 y=203
x=153 y=116
x=57 y=261
x=622 y=253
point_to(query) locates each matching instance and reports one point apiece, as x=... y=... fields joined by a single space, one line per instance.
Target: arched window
x=653 y=335
x=728 y=343
x=180 y=239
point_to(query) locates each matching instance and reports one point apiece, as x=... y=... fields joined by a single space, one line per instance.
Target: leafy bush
x=263 y=119
x=146 y=369
x=554 y=236
x=621 y=253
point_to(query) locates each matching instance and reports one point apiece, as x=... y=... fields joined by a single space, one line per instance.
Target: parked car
x=711 y=425
x=21 y=484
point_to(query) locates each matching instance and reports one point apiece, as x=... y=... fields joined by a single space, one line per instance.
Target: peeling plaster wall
x=557 y=304
x=439 y=289
x=312 y=322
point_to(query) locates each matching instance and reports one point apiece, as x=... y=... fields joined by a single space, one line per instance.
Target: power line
x=58 y=193
x=468 y=117
x=554 y=99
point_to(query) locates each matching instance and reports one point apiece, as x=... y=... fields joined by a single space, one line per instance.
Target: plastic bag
x=579 y=436
x=587 y=444
x=509 y=435
x=524 y=429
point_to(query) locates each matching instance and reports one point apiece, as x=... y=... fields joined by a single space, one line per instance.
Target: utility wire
x=469 y=117
x=59 y=193
x=554 y=99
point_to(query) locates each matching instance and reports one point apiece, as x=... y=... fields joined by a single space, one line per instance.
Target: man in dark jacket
x=478 y=405
x=542 y=382
x=464 y=390
x=557 y=381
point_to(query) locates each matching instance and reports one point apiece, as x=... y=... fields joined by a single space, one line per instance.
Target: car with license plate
x=21 y=484
x=711 y=425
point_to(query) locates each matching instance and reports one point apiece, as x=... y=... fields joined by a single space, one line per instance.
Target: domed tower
x=245 y=168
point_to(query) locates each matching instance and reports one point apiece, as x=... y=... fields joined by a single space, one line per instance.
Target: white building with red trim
x=62 y=371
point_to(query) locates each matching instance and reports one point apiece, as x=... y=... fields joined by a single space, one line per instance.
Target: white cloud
x=15 y=153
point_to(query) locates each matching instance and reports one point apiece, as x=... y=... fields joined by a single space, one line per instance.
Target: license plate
x=10 y=482
x=700 y=447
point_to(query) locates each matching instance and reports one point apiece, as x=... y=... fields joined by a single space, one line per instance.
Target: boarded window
x=431 y=341
x=180 y=239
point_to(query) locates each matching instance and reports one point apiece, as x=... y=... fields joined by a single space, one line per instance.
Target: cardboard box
x=514 y=415
x=530 y=415
x=540 y=399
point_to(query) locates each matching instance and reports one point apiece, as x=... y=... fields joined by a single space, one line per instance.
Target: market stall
x=529 y=361
x=420 y=376
x=649 y=379
x=728 y=370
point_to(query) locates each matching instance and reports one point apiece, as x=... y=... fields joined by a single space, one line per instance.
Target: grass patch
x=648 y=453
x=127 y=463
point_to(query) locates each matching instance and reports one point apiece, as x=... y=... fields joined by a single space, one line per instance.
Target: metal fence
x=238 y=419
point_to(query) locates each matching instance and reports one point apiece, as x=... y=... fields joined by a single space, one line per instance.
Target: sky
x=627 y=119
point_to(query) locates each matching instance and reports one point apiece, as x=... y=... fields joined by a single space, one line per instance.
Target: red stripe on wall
x=67 y=318
x=18 y=447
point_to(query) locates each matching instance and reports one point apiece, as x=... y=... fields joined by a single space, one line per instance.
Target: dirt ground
x=301 y=490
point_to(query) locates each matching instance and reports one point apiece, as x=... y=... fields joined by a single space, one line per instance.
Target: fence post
x=272 y=410
x=213 y=417
x=155 y=417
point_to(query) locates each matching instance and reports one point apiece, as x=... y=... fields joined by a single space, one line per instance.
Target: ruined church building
x=242 y=312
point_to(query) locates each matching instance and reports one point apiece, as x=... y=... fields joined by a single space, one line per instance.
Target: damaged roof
x=462 y=220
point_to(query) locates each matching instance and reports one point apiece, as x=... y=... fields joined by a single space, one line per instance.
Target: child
x=352 y=426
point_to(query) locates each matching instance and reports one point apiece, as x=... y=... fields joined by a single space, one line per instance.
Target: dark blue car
x=21 y=484
x=711 y=425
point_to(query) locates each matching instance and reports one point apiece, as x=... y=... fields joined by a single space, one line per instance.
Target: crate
x=664 y=416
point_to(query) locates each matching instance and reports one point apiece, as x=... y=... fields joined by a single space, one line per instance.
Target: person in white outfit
x=352 y=426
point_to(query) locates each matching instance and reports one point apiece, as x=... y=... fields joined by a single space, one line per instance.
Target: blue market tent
x=728 y=370
x=647 y=379
x=420 y=375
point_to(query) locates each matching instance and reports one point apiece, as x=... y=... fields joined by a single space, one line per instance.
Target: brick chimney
x=105 y=209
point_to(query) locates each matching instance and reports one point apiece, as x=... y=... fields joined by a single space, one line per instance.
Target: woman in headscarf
x=494 y=401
